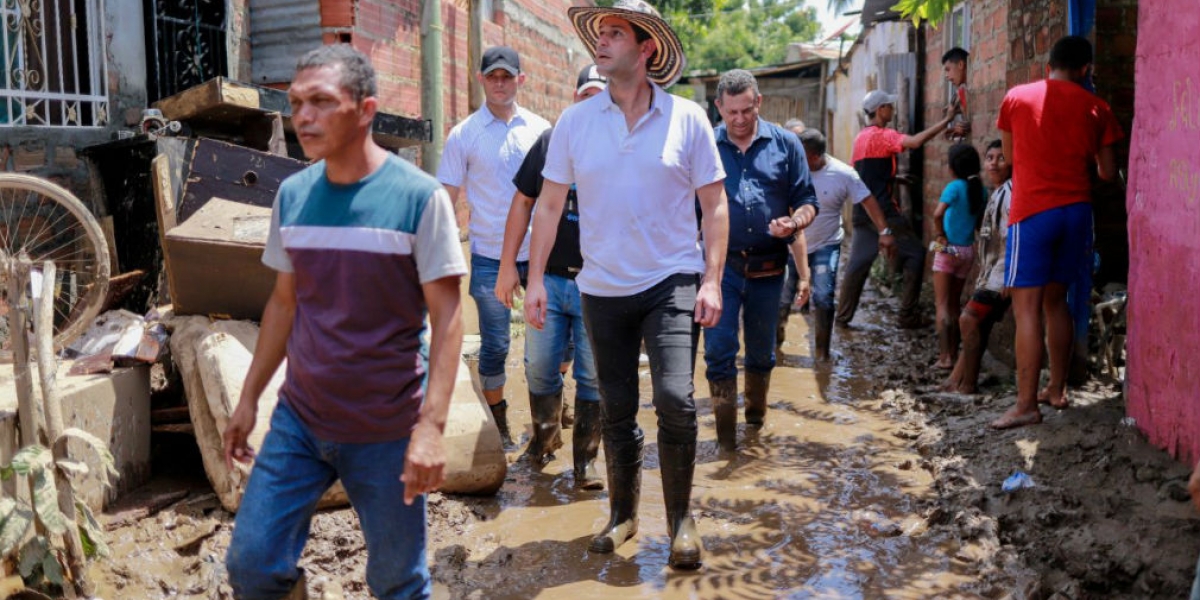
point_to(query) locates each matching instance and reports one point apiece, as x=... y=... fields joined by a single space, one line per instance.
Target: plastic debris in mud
x=1016 y=481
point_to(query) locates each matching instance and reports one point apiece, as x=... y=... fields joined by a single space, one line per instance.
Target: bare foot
x=1061 y=402
x=963 y=388
x=1012 y=419
x=944 y=363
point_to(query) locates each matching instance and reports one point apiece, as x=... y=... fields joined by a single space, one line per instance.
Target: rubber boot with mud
x=585 y=444
x=785 y=312
x=500 y=414
x=546 y=413
x=624 y=490
x=756 y=397
x=724 y=403
x=678 y=462
x=299 y=590
x=823 y=325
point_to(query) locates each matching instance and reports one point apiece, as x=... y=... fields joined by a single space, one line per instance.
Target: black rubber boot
x=500 y=413
x=756 y=397
x=678 y=463
x=546 y=413
x=823 y=325
x=785 y=312
x=585 y=444
x=624 y=490
x=724 y=403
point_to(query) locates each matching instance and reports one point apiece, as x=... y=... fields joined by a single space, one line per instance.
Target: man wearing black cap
x=640 y=159
x=564 y=316
x=481 y=157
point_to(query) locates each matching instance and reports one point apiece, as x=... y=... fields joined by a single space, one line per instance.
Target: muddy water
x=825 y=501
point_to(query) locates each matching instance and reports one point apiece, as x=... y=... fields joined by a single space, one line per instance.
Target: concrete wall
x=1164 y=230
x=858 y=75
x=51 y=151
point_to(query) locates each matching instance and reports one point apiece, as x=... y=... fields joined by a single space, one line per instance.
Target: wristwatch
x=886 y=231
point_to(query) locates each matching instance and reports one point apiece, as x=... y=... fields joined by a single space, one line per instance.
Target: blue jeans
x=545 y=350
x=755 y=302
x=494 y=319
x=292 y=471
x=823 y=265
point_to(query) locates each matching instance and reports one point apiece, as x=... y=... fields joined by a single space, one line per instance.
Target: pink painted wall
x=1163 y=375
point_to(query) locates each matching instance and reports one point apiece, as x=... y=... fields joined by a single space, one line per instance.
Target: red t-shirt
x=1057 y=129
x=874 y=158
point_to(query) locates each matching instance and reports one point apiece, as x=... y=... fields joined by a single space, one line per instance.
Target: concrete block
x=114 y=407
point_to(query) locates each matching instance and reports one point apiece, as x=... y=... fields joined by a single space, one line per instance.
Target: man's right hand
x=887 y=246
x=535 y=303
x=241 y=423
x=508 y=284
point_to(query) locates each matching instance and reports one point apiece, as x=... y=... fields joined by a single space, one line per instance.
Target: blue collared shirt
x=768 y=181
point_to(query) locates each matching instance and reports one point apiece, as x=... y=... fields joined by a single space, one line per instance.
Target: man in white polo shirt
x=481 y=156
x=639 y=158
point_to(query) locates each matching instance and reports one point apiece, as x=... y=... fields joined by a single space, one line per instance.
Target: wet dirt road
x=825 y=501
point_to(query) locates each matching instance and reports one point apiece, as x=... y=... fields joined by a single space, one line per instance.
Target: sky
x=828 y=20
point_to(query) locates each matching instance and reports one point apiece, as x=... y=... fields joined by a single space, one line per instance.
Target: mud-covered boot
x=546 y=413
x=823 y=325
x=585 y=444
x=678 y=462
x=299 y=590
x=756 y=397
x=785 y=312
x=724 y=403
x=624 y=490
x=500 y=414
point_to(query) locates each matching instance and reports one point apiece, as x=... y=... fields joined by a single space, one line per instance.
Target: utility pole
x=431 y=83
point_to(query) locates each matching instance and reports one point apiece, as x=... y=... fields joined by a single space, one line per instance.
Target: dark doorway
x=185 y=44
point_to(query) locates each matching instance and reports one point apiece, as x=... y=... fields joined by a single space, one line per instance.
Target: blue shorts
x=1051 y=246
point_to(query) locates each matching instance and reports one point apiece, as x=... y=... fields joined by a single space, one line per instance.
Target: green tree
x=730 y=34
x=930 y=10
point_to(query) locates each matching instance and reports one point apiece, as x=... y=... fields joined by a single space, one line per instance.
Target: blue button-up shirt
x=768 y=181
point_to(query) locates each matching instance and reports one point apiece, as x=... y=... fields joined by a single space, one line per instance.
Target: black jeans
x=662 y=316
x=910 y=259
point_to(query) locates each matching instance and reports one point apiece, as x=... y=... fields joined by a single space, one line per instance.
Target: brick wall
x=389 y=31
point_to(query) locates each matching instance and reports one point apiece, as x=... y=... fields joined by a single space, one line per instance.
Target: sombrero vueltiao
x=665 y=66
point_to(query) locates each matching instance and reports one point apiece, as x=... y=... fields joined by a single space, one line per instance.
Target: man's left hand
x=708 y=304
x=803 y=292
x=783 y=227
x=424 y=463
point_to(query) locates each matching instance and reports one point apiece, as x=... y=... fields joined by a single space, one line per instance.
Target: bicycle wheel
x=46 y=222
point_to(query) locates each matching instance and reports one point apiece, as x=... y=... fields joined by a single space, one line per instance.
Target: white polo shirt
x=482 y=154
x=836 y=183
x=636 y=189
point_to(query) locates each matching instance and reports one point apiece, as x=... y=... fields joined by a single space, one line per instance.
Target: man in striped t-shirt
x=365 y=246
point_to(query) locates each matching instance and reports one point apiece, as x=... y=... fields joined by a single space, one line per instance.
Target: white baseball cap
x=876 y=98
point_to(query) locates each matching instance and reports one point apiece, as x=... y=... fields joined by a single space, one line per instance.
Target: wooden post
x=47 y=368
x=28 y=413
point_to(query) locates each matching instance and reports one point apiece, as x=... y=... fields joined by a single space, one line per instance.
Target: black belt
x=567 y=272
x=753 y=264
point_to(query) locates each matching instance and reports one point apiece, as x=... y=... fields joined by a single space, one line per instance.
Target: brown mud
x=864 y=483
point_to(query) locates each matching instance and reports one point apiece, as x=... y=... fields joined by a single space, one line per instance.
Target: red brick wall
x=389 y=31
x=986 y=84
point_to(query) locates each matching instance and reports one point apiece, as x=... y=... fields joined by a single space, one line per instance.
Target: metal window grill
x=53 y=72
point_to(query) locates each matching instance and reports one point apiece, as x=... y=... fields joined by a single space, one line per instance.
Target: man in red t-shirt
x=1052 y=131
x=874 y=158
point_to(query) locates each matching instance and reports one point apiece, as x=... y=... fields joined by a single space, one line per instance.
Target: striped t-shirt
x=360 y=253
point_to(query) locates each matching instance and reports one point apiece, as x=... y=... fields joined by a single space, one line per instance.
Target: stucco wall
x=858 y=76
x=1164 y=230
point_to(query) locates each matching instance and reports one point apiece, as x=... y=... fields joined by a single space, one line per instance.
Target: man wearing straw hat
x=639 y=158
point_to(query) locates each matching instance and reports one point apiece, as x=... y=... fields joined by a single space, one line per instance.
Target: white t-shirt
x=482 y=154
x=993 y=235
x=636 y=189
x=836 y=183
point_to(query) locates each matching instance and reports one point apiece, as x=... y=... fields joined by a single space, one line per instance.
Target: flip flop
x=1007 y=422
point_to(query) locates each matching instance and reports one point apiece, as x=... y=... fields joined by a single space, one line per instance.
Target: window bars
x=52 y=68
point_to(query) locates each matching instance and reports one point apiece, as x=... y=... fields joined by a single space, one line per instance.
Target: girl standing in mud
x=954 y=223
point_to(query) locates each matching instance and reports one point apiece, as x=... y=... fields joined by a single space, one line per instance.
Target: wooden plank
x=172 y=414
x=230 y=172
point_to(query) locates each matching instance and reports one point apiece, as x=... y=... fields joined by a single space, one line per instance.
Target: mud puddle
x=863 y=484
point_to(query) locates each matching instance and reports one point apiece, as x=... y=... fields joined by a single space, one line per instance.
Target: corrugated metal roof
x=878 y=10
x=281 y=31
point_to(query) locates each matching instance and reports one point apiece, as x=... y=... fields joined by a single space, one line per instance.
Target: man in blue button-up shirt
x=771 y=199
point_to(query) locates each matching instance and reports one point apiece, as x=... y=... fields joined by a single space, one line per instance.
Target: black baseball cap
x=500 y=57
x=590 y=77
